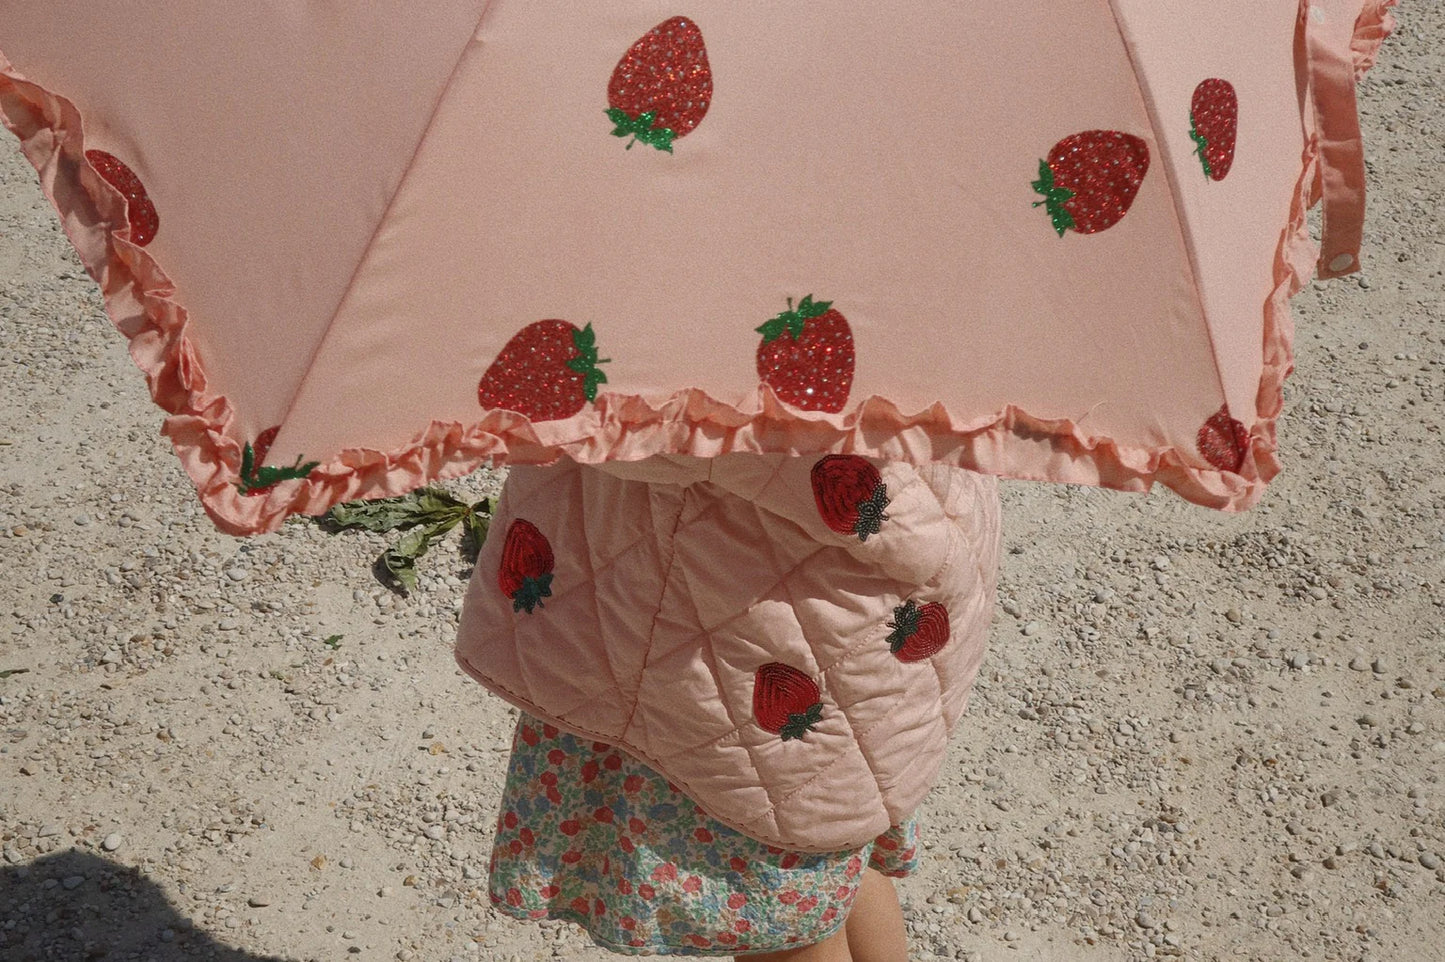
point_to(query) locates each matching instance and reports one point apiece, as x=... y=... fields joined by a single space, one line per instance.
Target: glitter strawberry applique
x=257 y=477
x=139 y=211
x=850 y=494
x=526 y=572
x=662 y=87
x=919 y=631
x=806 y=356
x=1214 y=125
x=1090 y=179
x=547 y=371
x=1223 y=441
x=786 y=702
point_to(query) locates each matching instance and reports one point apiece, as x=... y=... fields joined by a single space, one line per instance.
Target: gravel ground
x=1198 y=736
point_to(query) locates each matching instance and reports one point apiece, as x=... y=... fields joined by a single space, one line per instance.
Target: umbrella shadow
x=76 y=906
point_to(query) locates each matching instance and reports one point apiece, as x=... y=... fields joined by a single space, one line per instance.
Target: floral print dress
x=591 y=835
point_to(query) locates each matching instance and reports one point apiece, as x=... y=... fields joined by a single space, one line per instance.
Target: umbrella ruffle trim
x=1010 y=442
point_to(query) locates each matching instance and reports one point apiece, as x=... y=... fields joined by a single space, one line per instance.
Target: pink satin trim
x=1338 y=51
x=1010 y=443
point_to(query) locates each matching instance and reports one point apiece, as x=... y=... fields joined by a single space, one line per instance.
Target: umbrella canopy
x=357 y=250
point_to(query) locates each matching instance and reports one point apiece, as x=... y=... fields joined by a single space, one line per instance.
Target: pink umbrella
x=356 y=254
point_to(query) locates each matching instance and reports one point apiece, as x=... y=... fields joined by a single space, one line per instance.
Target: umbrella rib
x=1174 y=194
x=386 y=213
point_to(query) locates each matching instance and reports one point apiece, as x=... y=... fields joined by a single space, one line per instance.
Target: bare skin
x=873 y=933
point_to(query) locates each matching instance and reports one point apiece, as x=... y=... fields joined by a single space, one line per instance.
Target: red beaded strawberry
x=806 y=356
x=526 y=572
x=785 y=701
x=850 y=494
x=1090 y=179
x=1223 y=441
x=547 y=371
x=1214 y=125
x=662 y=87
x=919 y=631
x=257 y=477
x=139 y=211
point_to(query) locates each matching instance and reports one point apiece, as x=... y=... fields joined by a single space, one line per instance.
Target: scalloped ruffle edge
x=1010 y=443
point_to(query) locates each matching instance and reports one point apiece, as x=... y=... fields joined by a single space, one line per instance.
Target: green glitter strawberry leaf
x=1055 y=198
x=586 y=361
x=793 y=321
x=255 y=478
x=1201 y=144
x=640 y=128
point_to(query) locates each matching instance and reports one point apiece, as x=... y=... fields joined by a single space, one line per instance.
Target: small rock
x=1234 y=615
x=258 y=901
x=1160 y=563
x=73 y=881
x=228 y=624
x=112 y=841
x=48 y=831
x=82 y=519
x=1298 y=660
x=1430 y=860
x=1031 y=629
x=238 y=574
x=1359 y=663
x=1380 y=666
x=435 y=832
x=1368 y=720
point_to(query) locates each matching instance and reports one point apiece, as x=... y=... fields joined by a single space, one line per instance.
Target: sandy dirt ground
x=1196 y=736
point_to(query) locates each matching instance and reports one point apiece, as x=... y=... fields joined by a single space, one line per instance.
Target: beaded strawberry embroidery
x=547 y=371
x=850 y=494
x=806 y=356
x=1090 y=179
x=662 y=87
x=139 y=211
x=1223 y=441
x=786 y=702
x=1214 y=125
x=525 y=575
x=256 y=477
x=919 y=631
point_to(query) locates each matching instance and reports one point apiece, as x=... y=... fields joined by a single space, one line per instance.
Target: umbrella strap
x=1328 y=32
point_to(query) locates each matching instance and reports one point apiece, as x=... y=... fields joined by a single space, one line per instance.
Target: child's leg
x=832 y=949
x=875 y=926
x=873 y=933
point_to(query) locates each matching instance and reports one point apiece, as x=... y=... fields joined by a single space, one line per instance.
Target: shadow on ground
x=76 y=907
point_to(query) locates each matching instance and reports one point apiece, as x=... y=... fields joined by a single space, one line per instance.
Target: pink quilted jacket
x=788 y=640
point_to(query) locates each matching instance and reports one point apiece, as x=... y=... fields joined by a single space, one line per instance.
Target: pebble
x=258 y=902
x=1430 y=860
x=1369 y=720
x=435 y=832
x=1359 y=663
x=238 y=574
x=1299 y=660
x=112 y=841
x=72 y=882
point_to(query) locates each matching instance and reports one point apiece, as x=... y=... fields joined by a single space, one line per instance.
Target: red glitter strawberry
x=526 y=572
x=806 y=356
x=139 y=211
x=850 y=494
x=1214 y=125
x=785 y=701
x=1223 y=441
x=1090 y=179
x=547 y=371
x=662 y=87
x=919 y=631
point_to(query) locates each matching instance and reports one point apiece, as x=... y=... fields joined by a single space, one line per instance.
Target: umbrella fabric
x=359 y=249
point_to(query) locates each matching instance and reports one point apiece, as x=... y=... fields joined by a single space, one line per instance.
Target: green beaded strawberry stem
x=870 y=513
x=799 y=725
x=533 y=590
x=1201 y=145
x=640 y=128
x=793 y=321
x=255 y=478
x=904 y=625
x=586 y=361
x=1054 y=198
